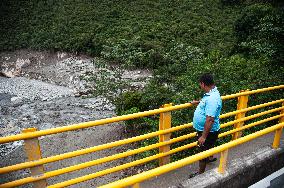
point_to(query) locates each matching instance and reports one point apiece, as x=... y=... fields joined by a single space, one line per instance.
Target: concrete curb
x=241 y=172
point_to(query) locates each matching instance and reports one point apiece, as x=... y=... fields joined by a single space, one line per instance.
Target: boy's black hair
x=207 y=79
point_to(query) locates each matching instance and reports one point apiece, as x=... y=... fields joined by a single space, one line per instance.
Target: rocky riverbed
x=46 y=90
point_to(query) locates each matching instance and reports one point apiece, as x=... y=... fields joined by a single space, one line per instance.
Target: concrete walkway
x=175 y=177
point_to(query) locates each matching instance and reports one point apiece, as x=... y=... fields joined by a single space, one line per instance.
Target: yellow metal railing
x=35 y=163
x=189 y=160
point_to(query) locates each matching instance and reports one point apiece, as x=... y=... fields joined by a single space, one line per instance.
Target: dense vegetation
x=124 y=27
x=240 y=41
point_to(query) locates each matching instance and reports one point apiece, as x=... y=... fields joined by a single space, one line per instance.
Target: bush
x=231 y=2
x=251 y=17
x=260 y=32
x=128 y=52
x=127 y=101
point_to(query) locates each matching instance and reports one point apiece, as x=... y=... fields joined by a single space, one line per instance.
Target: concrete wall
x=242 y=172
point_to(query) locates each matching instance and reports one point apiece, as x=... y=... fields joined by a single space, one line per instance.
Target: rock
x=61 y=55
x=77 y=94
x=35 y=119
x=16 y=100
x=44 y=98
x=46 y=126
x=27 y=62
x=8 y=74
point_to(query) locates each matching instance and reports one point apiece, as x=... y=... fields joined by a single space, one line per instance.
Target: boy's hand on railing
x=194 y=102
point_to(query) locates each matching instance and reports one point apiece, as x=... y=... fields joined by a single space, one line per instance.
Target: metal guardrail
x=35 y=163
x=194 y=158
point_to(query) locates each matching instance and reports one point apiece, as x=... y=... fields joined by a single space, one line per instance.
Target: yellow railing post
x=242 y=103
x=223 y=161
x=165 y=123
x=278 y=132
x=33 y=152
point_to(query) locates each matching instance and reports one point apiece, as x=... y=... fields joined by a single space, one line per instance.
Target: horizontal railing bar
x=95 y=162
x=250 y=108
x=250 y=125
x=251 y=117
x=191 y=159
x=90 y=150
x=226 y=97
x=118 y=118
